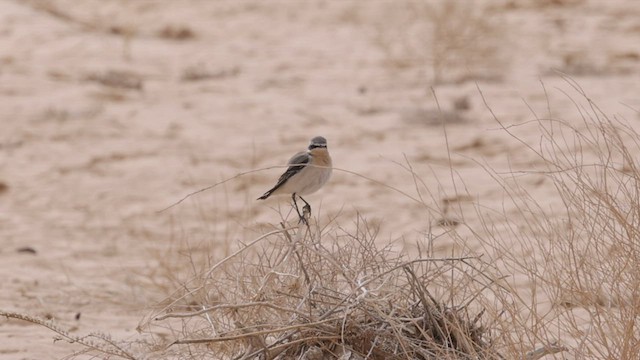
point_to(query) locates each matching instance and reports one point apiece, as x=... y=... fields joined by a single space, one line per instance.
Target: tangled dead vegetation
x=298 y=293
x=303 y=292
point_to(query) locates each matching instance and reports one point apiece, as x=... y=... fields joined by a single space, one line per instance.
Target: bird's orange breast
x=321 y=157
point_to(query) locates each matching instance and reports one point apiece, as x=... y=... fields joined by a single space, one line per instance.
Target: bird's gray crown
x=318 y=142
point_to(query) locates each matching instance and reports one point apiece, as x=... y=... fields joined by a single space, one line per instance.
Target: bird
x=308 y=171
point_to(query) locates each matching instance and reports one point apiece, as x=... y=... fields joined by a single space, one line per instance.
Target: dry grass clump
x=587 y=250
x=296 y=293
x=595 y=246
x=304 y=292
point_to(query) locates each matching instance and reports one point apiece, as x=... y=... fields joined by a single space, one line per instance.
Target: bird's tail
x=266 y=195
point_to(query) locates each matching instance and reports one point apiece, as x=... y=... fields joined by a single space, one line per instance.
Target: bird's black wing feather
x=296 y=163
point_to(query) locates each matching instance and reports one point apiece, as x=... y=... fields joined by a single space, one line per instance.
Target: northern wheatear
x=308 y=171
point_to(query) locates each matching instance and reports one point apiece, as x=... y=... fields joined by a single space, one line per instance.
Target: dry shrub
x=587 y=251
x=596 y=245
x=308 y=292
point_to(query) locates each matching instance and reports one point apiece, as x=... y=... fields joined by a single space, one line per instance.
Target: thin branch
x=251 y=334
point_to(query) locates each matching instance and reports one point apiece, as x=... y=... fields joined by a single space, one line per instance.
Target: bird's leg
x=307 y=207
x=295 y=205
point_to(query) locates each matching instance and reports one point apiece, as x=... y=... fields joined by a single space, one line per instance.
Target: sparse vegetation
x=555 y=276
x=589 y=248
x=328 y=292
x=94 y=343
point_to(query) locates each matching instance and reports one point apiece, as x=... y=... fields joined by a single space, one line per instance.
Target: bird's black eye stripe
x=315 y=146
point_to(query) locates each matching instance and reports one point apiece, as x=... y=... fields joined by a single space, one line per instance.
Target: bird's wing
x=296 y=163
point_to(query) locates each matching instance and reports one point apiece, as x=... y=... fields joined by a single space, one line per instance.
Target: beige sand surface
x=113 y=110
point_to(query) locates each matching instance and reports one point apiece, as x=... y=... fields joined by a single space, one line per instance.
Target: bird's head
x=318 y=142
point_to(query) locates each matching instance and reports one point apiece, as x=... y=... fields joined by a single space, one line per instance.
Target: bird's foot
x=306 y=210
x=306 y=214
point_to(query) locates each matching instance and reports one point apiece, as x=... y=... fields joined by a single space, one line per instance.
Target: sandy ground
x=113 y=110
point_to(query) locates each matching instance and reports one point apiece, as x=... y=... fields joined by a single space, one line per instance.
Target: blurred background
x=110 y=111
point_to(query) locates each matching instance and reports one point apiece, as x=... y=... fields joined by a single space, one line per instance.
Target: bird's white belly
x=309 y=180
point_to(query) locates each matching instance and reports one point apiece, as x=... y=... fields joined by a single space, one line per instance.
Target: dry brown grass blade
x=543 y=351
x=93 y=343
